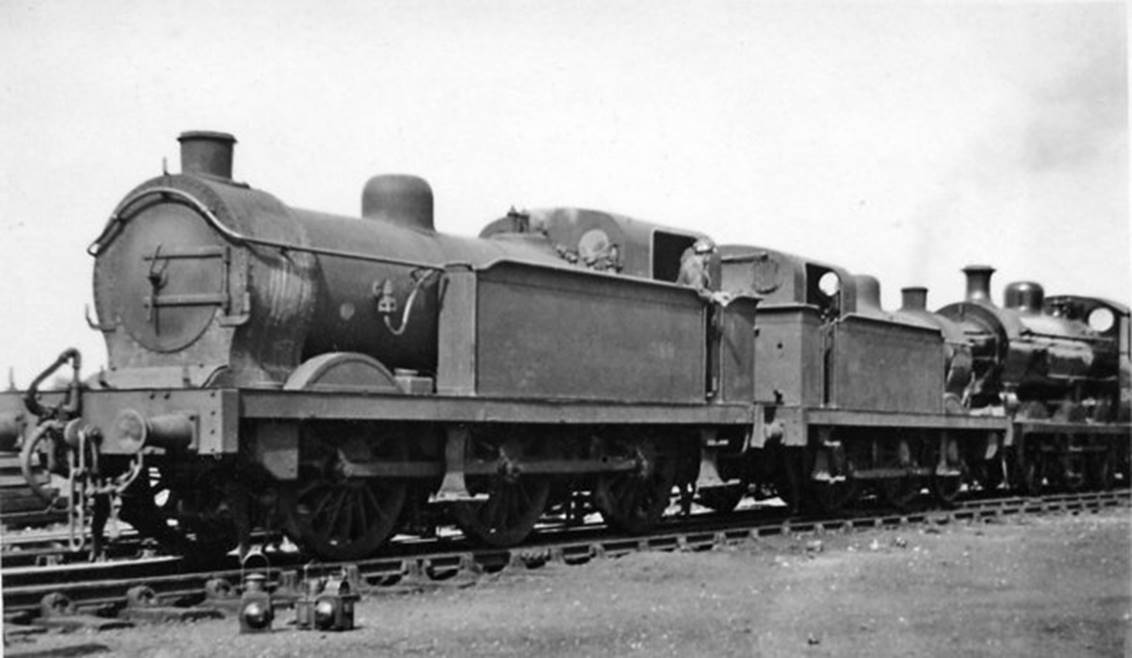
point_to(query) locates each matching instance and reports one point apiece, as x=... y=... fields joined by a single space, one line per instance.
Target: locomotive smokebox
x=978 y=283
x=207 y=152
x=399 y=198
x=1024 y=296
x=914 y=298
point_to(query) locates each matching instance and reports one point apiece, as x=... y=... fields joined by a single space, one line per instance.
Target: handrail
x=117 y=219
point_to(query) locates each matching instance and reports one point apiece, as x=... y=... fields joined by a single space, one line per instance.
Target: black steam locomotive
x=341 y=379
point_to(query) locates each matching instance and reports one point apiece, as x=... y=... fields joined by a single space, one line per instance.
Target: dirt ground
x=1035 y=586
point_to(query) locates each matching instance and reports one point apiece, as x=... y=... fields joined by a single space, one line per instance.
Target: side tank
x=957 y=351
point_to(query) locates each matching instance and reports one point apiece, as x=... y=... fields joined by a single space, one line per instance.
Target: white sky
x=903 y=140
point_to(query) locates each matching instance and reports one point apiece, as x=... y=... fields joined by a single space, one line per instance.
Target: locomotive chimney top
x=978 y=283
x=207 y=152
x=399 y=198
x=914 y=298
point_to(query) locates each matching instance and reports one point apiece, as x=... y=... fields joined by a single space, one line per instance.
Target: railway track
x=52 y=547
x=164 y=583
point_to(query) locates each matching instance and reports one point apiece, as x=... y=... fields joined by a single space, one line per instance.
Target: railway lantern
x=256 y=612
x=334 y=607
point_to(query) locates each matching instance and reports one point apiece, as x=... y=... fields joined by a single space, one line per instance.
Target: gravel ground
x=1034 y=586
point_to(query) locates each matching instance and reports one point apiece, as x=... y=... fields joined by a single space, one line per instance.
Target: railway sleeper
x=142 y=605
x=57 y=611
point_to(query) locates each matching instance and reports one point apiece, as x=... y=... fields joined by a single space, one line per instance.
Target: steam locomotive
x=343 y=379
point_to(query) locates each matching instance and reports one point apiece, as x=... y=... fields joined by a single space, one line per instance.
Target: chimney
x=914 y=298
x=978 y=283
x=1024 y=296
x=206 y=152
x=399 y=198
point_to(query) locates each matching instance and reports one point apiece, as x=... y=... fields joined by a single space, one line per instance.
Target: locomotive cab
x=790 y=348
x=604 y=242
x=783 y=279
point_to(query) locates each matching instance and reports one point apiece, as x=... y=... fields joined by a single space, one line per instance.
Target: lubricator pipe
x=421 y=280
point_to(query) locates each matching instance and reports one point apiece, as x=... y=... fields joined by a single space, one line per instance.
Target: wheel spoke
x=360 y=507
x=349 y=504
x=494 y=508
x=505 y=507
x=378 y=510
x=514 y=506
x=322 y=502
x=339 y=499
x=508 y=502
x=306 y=489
